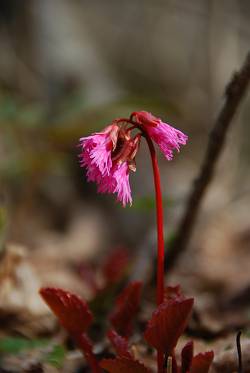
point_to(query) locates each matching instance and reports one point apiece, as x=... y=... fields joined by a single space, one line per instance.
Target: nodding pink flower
x=165 y=136
x=96 y=151
x=109 y=157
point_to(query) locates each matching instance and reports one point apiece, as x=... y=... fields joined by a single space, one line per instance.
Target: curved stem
x=159 y=215
x=160 y=235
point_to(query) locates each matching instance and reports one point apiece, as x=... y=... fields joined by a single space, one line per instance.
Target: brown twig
x=240 y=366
x=234 y=93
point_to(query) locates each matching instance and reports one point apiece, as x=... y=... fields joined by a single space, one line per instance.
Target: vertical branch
x=238 y=345
x=234 y=93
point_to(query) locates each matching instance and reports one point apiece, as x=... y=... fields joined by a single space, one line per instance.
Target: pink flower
x=108 y=157
x=96 y=152
x=165 y=136
x=117 y=182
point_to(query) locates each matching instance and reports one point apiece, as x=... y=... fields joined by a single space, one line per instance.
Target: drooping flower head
x=109 y=156
x=165 y=136
x=97 y=148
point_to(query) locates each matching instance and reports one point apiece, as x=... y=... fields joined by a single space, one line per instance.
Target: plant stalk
x=159 y=216
x=85 y=345
x=160 y=235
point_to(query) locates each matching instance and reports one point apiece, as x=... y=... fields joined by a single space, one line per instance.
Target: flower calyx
x=126 y=149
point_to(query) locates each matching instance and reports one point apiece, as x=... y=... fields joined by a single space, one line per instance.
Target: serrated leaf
x=126 y=308
x=123 y=365
x=56 y=357
x=72 y=312
x=167 y=324
x=120 y=344
x=75 y=316
x=201 y=362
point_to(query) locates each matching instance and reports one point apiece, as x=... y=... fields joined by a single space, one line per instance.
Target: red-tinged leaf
x=187 y=356
x=201 y=362
x=115 y=266
x=120 y=344
x=72 y=312
x=167 y=324
x=126 y=307
x=173 y=292
x=75 y=316
x=85 y=345
x=123 y=365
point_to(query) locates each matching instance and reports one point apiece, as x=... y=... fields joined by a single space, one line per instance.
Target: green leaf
x=14 y=345
x=56 y=356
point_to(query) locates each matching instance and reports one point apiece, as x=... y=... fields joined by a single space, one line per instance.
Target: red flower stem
x=160 y=236
x=159 y=210
x=159 y=215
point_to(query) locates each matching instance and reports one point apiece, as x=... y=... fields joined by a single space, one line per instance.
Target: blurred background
x=68 y=68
